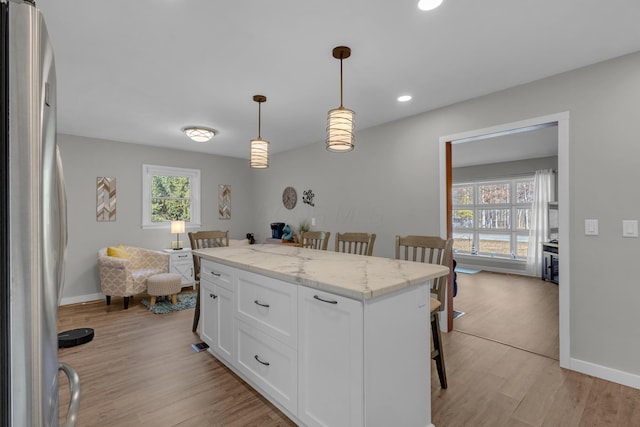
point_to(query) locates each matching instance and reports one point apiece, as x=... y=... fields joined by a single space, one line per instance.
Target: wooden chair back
x=429 y=249
x=315 y=239
x=207 y=239
x=355 y=243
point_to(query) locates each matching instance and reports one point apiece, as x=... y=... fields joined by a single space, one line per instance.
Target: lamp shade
x=177 y=226
x=340 y=125
x=259 y=153
x=199 y=134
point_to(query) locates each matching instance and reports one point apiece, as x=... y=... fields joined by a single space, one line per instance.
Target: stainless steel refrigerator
x=33 y=233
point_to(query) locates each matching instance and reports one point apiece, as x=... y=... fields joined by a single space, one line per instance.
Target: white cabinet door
x=330 y=359
x=181 y=262
x=185 y=270
x=217 y=319
x=209 y=313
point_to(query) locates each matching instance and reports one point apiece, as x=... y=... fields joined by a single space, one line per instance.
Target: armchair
x=126 y=277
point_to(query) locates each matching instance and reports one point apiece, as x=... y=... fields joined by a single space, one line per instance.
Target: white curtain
x=543 y=193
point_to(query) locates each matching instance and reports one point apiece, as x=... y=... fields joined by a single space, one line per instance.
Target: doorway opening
x=561 y=122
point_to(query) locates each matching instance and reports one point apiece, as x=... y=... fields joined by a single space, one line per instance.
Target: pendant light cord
x=259 y=118
x=341 y=82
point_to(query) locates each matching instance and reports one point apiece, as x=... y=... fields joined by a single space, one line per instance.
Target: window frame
x=513 y=232
x=148 y=171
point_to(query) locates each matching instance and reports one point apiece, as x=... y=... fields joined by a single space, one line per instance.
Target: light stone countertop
x=353 y=276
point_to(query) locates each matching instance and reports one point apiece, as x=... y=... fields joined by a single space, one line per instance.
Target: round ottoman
x=164 y=284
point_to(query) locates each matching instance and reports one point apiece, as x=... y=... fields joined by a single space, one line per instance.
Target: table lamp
x=177 y=227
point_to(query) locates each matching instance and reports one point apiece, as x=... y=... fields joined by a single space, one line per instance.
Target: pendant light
x=259 y=148
x=340 y=121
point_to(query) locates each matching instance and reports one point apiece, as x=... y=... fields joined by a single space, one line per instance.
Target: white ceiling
x=138 y=71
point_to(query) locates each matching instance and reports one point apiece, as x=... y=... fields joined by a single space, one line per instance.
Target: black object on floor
x=457 y=314
x=200 y=347
x=75 y=337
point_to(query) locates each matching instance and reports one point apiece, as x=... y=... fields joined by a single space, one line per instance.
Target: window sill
x=166 y=226
x=459 y=255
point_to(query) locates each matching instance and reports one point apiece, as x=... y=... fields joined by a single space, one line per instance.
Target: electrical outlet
x=591 y=227
x=629 y=228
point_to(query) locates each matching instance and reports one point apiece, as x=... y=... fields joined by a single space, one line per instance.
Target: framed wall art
x=105 y=199
x=224 y=201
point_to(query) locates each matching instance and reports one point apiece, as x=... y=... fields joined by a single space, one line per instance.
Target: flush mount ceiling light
x=259 y=148
x=340 y=121
x=199 y=133
x=404 y=98
x=429 y=4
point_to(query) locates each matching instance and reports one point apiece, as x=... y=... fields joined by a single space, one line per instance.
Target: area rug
x=163 y=306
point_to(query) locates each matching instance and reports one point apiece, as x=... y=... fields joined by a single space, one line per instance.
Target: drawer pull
x=216 y=274
x=183 y=256
x=261 y=305
x=260 y=361
x=214 y=296
x=325 y=300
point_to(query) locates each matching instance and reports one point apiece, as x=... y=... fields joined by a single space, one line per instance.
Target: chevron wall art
x=105 y=199
x=224 y=201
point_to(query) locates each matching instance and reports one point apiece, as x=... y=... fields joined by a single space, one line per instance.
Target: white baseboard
x=609 y=374
x=81 y=298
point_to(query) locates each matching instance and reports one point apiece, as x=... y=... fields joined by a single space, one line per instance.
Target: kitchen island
x=331 y=339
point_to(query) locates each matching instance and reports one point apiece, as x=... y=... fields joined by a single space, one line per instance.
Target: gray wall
x=502 y=170
x=85 y=159
x=389 y=184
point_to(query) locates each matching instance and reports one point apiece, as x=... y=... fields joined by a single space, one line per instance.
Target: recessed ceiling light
x=429 y=4
x=199 y=133
x=404 y=98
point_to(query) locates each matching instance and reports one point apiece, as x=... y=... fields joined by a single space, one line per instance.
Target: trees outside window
x=170 y=194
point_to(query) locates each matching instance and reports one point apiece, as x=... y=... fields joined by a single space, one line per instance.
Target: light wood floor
x=140 y=370
x=516 y=310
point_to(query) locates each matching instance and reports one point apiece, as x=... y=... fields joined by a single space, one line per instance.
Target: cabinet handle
x=261 y=305
x=325 y=300
x=216 y=274
x=260 y=361
x=182 y=256
x=214 y=296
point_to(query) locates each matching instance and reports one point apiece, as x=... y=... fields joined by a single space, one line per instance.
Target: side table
x=181 y=262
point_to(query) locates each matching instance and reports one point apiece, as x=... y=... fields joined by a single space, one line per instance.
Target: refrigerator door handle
x=74 y=391
x=63 y=230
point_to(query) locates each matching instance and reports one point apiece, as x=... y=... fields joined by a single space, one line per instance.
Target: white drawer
x=269 y=365
x=217 y=273
x=269 y=305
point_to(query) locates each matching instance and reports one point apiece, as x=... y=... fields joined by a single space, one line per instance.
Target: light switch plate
x=591 y=227
x=629 y=228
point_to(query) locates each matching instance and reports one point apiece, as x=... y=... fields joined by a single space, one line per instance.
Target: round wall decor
x=289 y=197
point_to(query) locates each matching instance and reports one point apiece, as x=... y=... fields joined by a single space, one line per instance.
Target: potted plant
x=303 y=228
